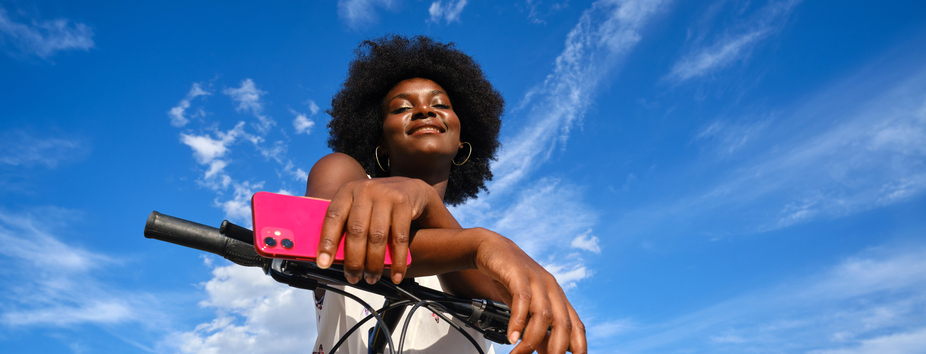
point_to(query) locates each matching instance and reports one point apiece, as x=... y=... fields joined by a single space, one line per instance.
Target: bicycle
x=235 y=243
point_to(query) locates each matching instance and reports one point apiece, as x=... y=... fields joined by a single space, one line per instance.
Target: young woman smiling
x=415 y=127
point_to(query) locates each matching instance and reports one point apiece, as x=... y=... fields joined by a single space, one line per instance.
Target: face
x=419 y=122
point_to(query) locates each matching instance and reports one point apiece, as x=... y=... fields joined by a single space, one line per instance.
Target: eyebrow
x=405 y=95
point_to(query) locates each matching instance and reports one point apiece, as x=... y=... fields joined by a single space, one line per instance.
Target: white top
x=427 y=332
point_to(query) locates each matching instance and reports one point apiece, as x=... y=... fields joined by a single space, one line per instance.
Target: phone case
x=289 y=227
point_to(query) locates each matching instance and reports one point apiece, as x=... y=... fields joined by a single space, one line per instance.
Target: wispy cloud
x=44 y=38
x=248 y=99
x=897 y=343
x=853 y=147
x=50 y=283
x=543 y=215
x=536 y=15
x=872 y=301
x=734 y=44
x=449 y=11
x=21 y=149
x=606 y=32
x=176 y=114
x=729 y=136
x=302 y=123
x=212 y=149
x=357 y=13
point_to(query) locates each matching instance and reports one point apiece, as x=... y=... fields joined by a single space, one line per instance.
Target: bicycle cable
x=442 y=316
x=369 y=308
x=355 y=327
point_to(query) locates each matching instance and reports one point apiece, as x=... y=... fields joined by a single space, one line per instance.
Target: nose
x=424 y=111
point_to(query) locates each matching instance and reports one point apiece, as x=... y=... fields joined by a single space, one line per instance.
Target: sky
x=719 y=176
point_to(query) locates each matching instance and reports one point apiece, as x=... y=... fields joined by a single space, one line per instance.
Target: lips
x=426 y=128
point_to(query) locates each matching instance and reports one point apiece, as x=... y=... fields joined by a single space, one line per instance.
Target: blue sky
x=716 y=176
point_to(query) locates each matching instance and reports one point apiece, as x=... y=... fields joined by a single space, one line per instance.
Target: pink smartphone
x=289 y=227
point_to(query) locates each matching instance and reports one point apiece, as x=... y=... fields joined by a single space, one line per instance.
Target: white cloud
x=604 y=35
x=548 y=213
x=248 y=99
x=18 y=148
x=358 y=13
x=313 y=107
x=296 y=173
x=238 y=208
x=50 y=283
x=45 y=38
x=449 y=11
x=207 y=151
x=254 y=314
x=302 y=123
x=731 y=136
x=608 y=329
x=176 y=114
x=587 y=242
x=568 y=275
x=535 y=15
x=732 y=46
x=871 y=303
x=911 y=342
x=714 y=57
x=850 y=148
x=544 y=216
x=205 y=148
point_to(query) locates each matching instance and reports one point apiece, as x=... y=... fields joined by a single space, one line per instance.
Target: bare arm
x=335 y=171
x=471 y=262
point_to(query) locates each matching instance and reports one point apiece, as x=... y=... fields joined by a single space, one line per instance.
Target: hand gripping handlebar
x=235 y=243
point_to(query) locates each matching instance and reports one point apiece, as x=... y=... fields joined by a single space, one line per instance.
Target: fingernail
x=513 y=338
x=323 y=261
x=352 y=279
x=370 y=279
x=396 y=278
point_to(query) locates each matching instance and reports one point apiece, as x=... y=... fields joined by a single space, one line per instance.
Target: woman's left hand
x=375 y=214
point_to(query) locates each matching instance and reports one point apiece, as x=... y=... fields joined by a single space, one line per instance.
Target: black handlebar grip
x=204 y=238
x=236 y=232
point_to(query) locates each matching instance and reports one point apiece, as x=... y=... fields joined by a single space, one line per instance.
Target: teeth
x=425 y=128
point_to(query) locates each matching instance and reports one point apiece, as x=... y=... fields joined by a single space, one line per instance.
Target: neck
x=437 y=177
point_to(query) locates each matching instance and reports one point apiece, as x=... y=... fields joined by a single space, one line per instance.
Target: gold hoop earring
x=376 y=155
x=467 y=155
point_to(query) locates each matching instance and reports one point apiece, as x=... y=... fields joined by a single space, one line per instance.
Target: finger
x=562 y=322
x=401 y=233
x=355 y=243
x=377 y=241
x=333 y=227
x=577 y=342
x=520 y=305
x=541 y=316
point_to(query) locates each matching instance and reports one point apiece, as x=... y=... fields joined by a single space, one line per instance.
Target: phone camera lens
x=270 y=241
x=286 y=243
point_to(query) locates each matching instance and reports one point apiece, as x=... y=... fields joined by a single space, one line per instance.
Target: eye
x=400 y=110
x=441 y=106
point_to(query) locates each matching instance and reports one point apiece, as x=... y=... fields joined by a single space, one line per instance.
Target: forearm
x=450 y=253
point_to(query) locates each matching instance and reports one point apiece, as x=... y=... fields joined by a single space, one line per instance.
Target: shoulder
x=330 y=173
x=340 y=162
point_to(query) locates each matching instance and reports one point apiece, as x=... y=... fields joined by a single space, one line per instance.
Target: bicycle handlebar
x=204 y=238
x=235 y=243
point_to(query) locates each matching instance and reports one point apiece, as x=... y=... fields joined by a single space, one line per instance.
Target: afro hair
x=357 y=125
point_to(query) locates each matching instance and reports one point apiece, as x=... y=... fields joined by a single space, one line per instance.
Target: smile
x=426 y=129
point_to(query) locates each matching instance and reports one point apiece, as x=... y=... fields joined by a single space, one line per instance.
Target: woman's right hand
x=374 y=214
x=536 y=300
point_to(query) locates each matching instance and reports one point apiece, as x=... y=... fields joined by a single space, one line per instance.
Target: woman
x=414 y=127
